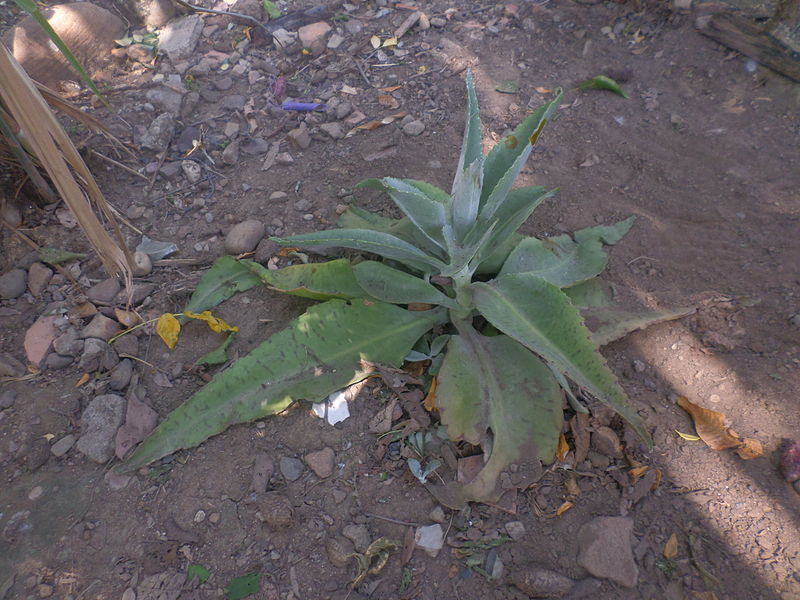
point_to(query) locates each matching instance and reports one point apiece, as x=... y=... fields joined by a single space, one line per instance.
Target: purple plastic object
x=304 y=106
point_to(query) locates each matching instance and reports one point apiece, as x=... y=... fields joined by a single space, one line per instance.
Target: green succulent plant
x=505 y=322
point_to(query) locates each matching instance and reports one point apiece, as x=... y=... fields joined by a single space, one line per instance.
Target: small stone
x=303 y=205
x=223 y=84
x=291 y=468
x=606 y=442
x=37 y=454
x=265 y=250
x=39 y=338
x=199 y=516
x=343 y=109
x=639 y=366
x=333 y=129
x=180 y=36
x=313 y=36
x=97 y=355
x=244 y=237
x=139 y=53
x=13 y=284
x=126 y=345
x=10 y=366
x=213 y=518
x=439 y=22
x=192 y=170
x=284 y=158
x=278 y=197
x=233 y=102
x=100 y=327
x=283 y=38
x=300 y=137
x=605 y=550
x=308 y=217
x=104 y=291
x=429 y=539
x=38 y=278
x=68 y=343
x=231 y=129
x=230 y=156
x=335 y=41
x=255 y=146
x=7 y=399
x=437 y=515
x=129 y=594
x=359 y=535
x=62 y=446
x=44 y=590
x=538 y=582
x=321 y=462
x=516 y=530
x=599 y=461
x=158 y=135
x=339 y=496
x=36 y=493
x=165 y=100
x=142 y=264
x=120 y=375
x=414 y=128
x=56 y=362
x=100 y=422
x=340 y=551
x=276 y=510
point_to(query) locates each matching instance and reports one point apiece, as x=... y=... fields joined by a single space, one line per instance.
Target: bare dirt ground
x=704 y=153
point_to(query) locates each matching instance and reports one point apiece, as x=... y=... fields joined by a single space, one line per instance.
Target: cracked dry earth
x=704 y=153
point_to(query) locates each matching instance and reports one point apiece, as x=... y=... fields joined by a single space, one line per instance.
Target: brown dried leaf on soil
x=671 y=547
x=710 y=426
x=579 y=425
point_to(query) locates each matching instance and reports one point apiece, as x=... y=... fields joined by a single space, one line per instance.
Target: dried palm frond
x=44 y=138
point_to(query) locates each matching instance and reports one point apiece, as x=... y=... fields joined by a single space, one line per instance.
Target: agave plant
x=501 y=314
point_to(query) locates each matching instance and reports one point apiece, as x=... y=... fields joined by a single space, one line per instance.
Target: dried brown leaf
x=710 y=426
x=564 y=508
x=671 y=547
x=750 y=449
x=579 y=425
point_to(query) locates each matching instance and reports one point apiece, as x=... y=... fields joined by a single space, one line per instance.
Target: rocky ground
x=227 y=152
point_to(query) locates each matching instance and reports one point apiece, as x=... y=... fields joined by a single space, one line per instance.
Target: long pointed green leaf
x=466 y=198
x=505 y=160
x=471 y=149
x=366 y=240
x=221 y=281
x=610 y=324
x=558 y=260
x=391 y=285
x=494 y=384
x=608 y=234
x=426 y=214
x=540 y=316
x=30 y=7
x=329 y=347
x=318 y=281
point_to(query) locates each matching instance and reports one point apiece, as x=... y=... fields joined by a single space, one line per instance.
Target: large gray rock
x=13 y=284
x=605 y=549
x=159 y=133
x=165 y=99
x=179 y=38
x=100 y=422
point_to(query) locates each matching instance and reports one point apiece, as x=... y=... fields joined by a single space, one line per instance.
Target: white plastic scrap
x=333 y=409
x=430 y=539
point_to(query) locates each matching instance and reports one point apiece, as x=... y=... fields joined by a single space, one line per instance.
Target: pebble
x=300 y=137
x=336 y=131
x=231 y=129
x=191 y=170
x=100 y=327
x=100 y=422
x=233 y=102
x=213 y=518
x=303 y=205
x=199 y=516
x=437 y=515
x=516 y=530
x=429 y=539
x=438 y=22
x=68 y=344
x=278 y=197
x=36 y=493
x=639 y=366
x=276 y=510
x=343 y=109
x=129 y=594
x=414 y=128
x=13 y=284
x=284 y=158
x=39 y=339
x=223 y=84
x=313 y=36
x=599 y=461
x=120 y=375
x=62 y=446
x=56 y=362
x=606 y=442
x=255 y=146
x=339 y=550
x=104 y=291
x=230 y=156
x=97 y=355
x=291 y=468
x=335 y=41
x=359 y=535
x=44 y=590
x=142 y=264
x=38 y=278
x=321 y=462
x=605 y=550
x=244 y=237
x=7 y=399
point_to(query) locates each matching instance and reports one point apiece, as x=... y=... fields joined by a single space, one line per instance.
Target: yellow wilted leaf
x=48 y=436
x=375 y=42
x=563 y=508
x=750 y=449
x=562 y=448
x=671 y=547
x=215 y=323
x=168 y=328
x=543 y=90
x=388 y=43
x=83 y=380
x=637 y=472
x=688 y=436
x=430 y=400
